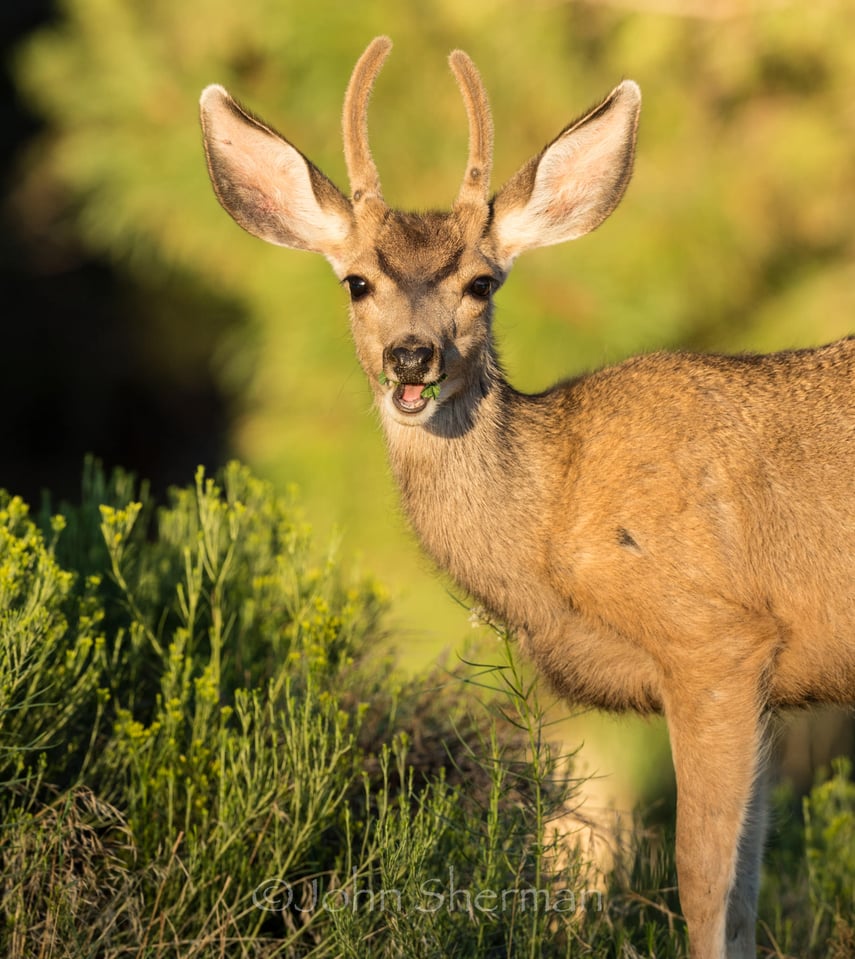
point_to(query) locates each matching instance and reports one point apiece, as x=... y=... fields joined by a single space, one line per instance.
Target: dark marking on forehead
x=424 y=248
x=424 y=269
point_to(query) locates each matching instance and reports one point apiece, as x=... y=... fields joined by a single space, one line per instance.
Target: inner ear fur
x=265 y=184
x=574 y=183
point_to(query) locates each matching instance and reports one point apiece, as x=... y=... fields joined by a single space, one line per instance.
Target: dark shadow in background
x=84 y=367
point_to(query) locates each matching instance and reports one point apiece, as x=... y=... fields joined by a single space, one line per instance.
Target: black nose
x=411 y=364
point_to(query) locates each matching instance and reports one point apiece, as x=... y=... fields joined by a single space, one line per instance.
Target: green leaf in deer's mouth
x=431 y=391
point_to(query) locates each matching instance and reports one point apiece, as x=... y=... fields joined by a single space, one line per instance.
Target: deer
x=671 y=534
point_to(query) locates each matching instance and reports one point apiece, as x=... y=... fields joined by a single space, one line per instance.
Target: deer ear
x=569 y=188
x=265 y=184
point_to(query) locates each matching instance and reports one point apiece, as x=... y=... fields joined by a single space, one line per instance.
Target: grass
x=205 y=752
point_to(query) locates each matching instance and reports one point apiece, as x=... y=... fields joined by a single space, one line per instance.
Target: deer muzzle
x=415 y=371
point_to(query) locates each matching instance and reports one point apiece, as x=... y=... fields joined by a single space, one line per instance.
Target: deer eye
x=358 y=286
x=481 y=287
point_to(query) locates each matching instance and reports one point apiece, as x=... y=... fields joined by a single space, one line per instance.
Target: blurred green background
x=140 y=324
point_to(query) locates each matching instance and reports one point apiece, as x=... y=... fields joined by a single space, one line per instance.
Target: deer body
x=673 y=534
x=641 y=533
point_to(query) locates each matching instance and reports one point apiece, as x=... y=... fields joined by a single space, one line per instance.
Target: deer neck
x=471 y=479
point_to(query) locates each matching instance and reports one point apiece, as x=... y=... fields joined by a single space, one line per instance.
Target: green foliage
x=811 y=862
x=202 y=746
x=829 y=814
x=48 y=686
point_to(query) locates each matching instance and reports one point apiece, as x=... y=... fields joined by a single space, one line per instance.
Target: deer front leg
x=716 y=742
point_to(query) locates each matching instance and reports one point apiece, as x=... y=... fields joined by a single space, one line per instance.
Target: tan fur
x=676 y=533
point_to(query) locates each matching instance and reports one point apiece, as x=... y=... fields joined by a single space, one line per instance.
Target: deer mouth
x=412 y=398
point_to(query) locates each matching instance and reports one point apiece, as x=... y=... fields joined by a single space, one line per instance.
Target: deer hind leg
x=742 y=906
x=717 y=737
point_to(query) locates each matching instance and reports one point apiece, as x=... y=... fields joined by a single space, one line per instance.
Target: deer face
x=421 y=285
x=421 y=304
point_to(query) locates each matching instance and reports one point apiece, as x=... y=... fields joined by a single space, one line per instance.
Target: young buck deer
x=675 y=534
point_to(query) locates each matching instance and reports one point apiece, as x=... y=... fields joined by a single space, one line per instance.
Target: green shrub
x=829 y=814
x=206 y=749
x=49 y=685
x=808 y=893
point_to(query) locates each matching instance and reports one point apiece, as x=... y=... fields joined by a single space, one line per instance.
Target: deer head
x=421 y=285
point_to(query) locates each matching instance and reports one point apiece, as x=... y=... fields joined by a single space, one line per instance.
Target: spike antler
x=361 y=169
x=476 y=181
x=364 y=179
